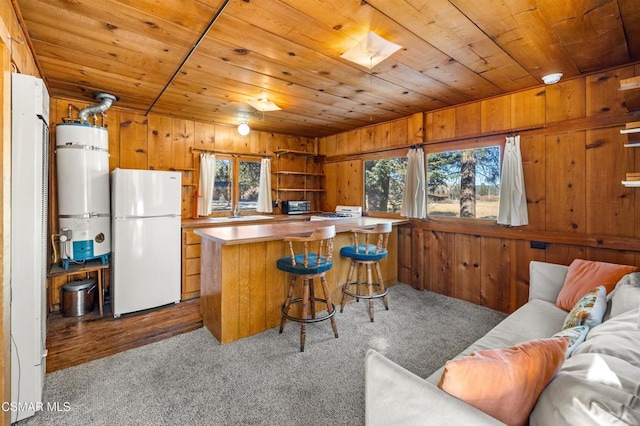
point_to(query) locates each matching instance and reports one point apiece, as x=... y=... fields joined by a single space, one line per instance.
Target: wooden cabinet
x=296 y=180
x=190 y=264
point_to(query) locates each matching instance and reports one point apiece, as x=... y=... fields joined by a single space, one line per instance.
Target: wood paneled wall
x=165 y=143
x=574 y=160
x=5 y=231
x=12 y=35
x=343 y=168
x=161 y=142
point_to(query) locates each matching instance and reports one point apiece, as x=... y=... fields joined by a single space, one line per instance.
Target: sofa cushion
x=599 y=383
x=395 y=396
x=590 y=389
x=505 y=383
x=536 y=319
x=626 y=295
x=546 y=280
x=589 y=310
x=576 y=336
x=618 y=337
x=585 y=275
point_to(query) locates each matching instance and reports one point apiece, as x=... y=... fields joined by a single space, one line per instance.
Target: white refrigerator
x=29 y=241
x=146 y=207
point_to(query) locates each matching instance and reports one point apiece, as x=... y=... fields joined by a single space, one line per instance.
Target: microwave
x=296 y=207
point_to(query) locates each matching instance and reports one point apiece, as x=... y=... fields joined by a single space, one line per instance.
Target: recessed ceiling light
x=370 y=51
x=552 y=78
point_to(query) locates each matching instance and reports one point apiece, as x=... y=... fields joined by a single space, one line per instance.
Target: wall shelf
x=290 y=181
x=631 y=89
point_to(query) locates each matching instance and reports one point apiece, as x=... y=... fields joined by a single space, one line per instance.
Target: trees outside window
x=464 y=183
x=249 y=184
x=237 y=181
x=222 y=186
x=383 y=184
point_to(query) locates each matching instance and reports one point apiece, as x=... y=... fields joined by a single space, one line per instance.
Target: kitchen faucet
x=236 y=211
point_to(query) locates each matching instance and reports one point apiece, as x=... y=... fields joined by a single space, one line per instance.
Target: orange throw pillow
x=505 y=383
x=585 y=275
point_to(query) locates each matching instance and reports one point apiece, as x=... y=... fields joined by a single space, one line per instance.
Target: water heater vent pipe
x=105 y=100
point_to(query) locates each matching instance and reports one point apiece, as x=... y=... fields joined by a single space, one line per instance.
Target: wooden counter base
x=242 y=291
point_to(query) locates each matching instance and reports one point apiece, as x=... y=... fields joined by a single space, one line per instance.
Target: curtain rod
x=232 y=153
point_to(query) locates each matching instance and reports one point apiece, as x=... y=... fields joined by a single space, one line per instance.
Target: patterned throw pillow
x=576 y=335
x=589 y=310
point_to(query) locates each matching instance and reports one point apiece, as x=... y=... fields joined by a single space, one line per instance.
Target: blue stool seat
x=313 y=266
x=364 y=252
x=316 y=259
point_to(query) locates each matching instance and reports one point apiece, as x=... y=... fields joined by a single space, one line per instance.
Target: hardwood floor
x=76 y=340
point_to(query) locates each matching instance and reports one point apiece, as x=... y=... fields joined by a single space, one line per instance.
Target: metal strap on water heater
x=84 y=215
x=70 y=145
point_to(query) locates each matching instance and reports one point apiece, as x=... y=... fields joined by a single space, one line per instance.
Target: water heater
x=82 y=152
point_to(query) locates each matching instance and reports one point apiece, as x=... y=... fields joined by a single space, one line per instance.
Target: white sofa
x=598 y=384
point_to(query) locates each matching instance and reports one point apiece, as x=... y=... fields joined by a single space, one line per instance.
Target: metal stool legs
x=308 y=303
x=381 y=292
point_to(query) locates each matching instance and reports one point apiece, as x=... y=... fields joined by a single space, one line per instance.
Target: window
x=227 y=193
x=383 y=184
x=249 y=184
x=223 y=183
x=464 y=183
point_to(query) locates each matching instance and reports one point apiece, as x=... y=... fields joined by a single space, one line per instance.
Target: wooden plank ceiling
x=454 y=51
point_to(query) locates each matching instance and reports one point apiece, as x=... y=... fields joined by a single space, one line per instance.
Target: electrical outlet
x=538 y=245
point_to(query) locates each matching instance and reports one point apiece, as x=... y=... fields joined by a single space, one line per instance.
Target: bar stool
x=313 y=262
x=366 y=254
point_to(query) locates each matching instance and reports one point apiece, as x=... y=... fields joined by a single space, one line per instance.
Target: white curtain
x=414 y=202
x=513 y=200
x=207 y=179
x=264 y=192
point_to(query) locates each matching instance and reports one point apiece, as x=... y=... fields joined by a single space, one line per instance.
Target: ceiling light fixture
x=243 y=128
x=263 y=105
x=370 y=51
x=552 y=78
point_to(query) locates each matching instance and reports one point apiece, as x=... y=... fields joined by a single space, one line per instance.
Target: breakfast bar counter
x=241 y=290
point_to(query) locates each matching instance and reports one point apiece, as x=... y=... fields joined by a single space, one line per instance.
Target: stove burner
x=332 y=215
